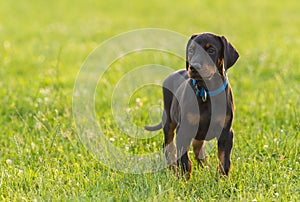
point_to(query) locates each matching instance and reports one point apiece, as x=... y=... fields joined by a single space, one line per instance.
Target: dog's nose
x=195 y=66
x=192 y=69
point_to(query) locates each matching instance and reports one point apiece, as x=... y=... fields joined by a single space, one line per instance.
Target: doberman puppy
x=198 y=103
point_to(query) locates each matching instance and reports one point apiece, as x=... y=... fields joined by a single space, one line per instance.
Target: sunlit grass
x=42 y=46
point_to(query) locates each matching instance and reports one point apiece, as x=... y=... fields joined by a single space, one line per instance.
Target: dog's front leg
x=199 y=151
x=225 y=144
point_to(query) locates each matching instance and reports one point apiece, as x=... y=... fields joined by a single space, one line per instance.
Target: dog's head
x=208 y=54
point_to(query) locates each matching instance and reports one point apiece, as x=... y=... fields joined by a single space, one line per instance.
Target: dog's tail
x=154 y=128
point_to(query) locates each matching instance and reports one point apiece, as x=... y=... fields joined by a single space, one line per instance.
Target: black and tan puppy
x=198 y=103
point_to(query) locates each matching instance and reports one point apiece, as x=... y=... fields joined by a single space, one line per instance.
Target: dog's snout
x=195 y=66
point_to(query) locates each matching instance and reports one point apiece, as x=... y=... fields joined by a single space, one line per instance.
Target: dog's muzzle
x=195 y=67
x=199 y=71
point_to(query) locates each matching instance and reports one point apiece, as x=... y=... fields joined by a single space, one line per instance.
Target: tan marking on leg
x=170 y=153
x=221 y=156
x=170 y=148
x=189 y=173
x=172 y=127
x=227 y=119
x=199 y=151
x=193 y=119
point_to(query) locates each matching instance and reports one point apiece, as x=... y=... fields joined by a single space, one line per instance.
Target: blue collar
x=203 y=93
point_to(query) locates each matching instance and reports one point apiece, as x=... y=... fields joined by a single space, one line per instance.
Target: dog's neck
x=212 y=87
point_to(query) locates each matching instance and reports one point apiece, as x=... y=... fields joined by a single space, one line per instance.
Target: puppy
x=198 y=103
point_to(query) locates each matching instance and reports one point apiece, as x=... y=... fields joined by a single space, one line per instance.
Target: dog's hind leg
x=168 y=127
x=169 y=146
x=183 y=144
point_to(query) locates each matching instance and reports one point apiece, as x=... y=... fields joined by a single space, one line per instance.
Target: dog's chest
x=201 y=115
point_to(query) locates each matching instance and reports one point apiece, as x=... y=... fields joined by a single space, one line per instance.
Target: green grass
x=42 y=47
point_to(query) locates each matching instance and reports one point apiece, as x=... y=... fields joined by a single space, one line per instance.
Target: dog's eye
x=191 y=51
x=211 y=51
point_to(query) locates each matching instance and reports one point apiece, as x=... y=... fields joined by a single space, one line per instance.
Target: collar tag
x=203 y=94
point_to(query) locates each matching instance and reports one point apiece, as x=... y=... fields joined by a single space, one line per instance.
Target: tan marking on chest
x=223 y=120
x=193 y=119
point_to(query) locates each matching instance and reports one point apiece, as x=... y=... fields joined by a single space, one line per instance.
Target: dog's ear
x=186 y=50
x=230 y=54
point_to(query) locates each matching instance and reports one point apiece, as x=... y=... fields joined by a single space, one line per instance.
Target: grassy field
x=42 y=47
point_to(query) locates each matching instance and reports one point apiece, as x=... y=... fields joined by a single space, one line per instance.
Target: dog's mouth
x=204 y=73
